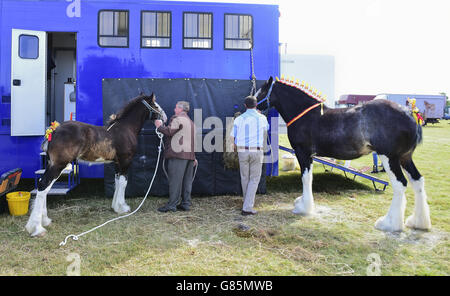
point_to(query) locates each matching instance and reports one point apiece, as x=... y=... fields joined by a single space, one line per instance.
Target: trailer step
x=355 y=172
x=59 y=188
x=66 y=171
x=54 y=191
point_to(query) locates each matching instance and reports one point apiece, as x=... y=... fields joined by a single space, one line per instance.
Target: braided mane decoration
x=309 y=90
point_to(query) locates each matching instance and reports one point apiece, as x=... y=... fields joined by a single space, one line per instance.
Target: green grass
x=214 y=239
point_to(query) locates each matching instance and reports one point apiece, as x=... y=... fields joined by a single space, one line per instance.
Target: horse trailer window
x=28 y=47
x=197 y=30
x=238 y=31
x=113 y=28
x=156 y=29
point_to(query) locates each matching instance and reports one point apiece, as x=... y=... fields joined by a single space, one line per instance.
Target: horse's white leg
x=34 y=224
x=122 y=207
x=46 y=221
x=304 y=205
x=115 y=204
x=420 y=219
x=393 y=221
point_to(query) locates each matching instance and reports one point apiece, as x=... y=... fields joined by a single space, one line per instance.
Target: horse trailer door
x=28 y=82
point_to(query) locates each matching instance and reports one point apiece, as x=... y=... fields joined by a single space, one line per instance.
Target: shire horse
x=117 y=142
x=348 y=133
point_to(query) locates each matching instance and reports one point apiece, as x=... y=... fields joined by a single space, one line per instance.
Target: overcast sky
x=380 y=46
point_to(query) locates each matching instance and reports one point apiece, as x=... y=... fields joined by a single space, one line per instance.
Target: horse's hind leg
x=420 y=219
x=38 y=216
x=393 y=221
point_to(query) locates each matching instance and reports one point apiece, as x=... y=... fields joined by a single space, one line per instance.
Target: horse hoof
x=301 y=209
x=46 y=221
x=415 y=223
x=385 y=224
x=30 y=227
x=122 y=209
x=39 y=232
x=302 y=212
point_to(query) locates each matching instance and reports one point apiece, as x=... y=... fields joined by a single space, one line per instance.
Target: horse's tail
x=419 y=136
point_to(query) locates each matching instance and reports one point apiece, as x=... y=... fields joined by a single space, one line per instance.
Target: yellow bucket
x=18 y=202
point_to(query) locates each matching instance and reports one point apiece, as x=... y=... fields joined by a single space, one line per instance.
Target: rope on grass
x=77 y=236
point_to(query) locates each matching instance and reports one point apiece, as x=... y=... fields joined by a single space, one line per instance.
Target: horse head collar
x=268 y=84
x=158 y=110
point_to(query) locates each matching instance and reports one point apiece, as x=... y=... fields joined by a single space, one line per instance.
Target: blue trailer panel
x=72 y=32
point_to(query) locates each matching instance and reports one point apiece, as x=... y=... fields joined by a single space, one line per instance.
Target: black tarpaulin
x=221 y=98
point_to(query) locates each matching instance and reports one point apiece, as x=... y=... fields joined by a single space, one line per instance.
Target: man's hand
x=195 y=162
x=158 y=123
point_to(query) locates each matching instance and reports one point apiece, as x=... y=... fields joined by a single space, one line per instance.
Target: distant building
x=316 y=70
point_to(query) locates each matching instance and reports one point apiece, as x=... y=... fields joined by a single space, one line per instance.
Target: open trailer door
x=28 y=82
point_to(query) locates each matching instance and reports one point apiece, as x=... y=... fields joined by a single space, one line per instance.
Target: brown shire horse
x=348 y=133
x=76 y=140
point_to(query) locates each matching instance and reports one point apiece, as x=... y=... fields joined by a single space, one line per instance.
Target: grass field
x=214 y=239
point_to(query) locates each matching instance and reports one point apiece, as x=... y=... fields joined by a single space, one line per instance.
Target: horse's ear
x=267 y=85
x=152 y=96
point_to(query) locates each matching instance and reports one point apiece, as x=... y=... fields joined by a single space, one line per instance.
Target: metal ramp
x=71 y=172
x=325 y=161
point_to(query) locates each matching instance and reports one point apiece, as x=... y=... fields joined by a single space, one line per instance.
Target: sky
x=379 y=46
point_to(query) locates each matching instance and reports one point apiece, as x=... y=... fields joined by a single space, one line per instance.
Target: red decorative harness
x=303 y=113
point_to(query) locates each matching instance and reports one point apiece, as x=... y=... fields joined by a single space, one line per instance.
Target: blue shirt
x=249 y=128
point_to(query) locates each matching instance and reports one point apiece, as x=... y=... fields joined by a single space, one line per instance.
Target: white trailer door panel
x=28 y=82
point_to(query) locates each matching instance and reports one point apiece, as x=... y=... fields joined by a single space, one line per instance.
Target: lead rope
x=253 y=78
x=76 y=237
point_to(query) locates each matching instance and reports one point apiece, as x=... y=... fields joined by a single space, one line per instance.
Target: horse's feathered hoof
x=301 y=209
x=38 y=231
x=122 y=209
x=46 y=221
x=416 y=223
x=386 y=224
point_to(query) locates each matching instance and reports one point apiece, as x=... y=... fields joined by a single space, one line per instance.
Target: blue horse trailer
x=56 y=55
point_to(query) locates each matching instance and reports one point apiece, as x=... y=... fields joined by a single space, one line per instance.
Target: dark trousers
x=181 y=173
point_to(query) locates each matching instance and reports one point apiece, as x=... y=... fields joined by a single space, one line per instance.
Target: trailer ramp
x=331 y=163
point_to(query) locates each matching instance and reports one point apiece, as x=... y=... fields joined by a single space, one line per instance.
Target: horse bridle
x=151 y=109
x=267 y=98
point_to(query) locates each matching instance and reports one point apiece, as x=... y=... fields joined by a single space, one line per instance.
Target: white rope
x=111 y=126
x=76 y=237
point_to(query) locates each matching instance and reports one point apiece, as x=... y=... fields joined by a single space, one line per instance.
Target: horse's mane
x=302 y=89
x=126 y=109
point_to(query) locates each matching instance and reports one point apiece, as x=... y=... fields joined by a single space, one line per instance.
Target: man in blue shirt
x=248 y=135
